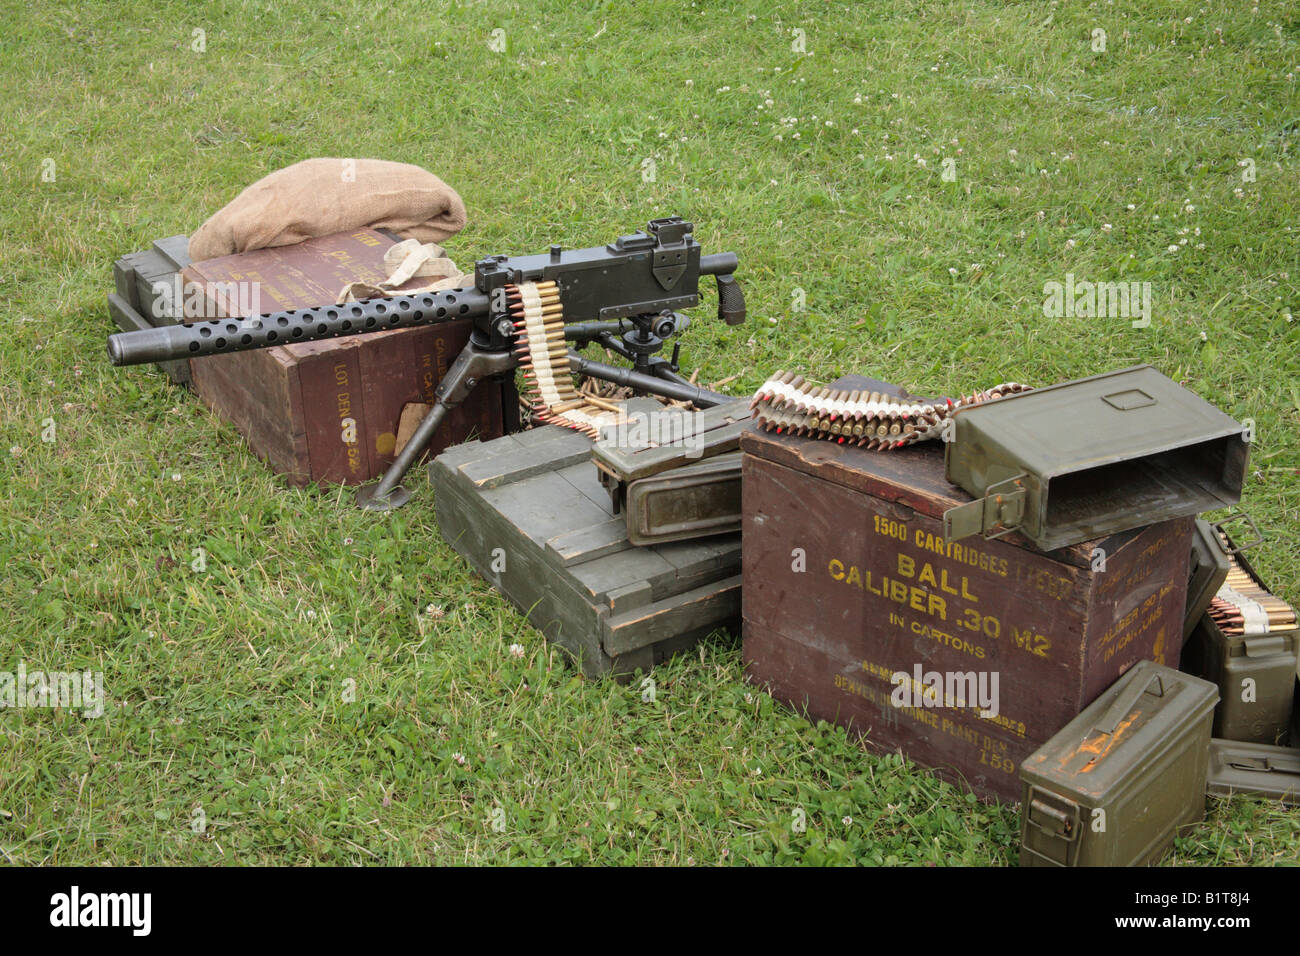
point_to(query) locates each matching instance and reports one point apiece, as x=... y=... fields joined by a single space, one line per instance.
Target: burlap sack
x=318 y=197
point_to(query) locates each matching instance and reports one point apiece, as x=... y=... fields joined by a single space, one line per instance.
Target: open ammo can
x=1255 y=672
x=1083 y=459
x=1207 y=572
x=1113 y=787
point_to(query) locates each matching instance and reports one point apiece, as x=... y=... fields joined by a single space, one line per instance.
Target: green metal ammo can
x=1084 y=459
x=1113 y=787
x=1256 y=769
x=1256 y=674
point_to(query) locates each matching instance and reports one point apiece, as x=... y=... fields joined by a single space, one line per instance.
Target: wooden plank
x=596 y=579
x=629 y=596
x=559 y=449
x=175 y=249
x=584 y=476
x=715 y=604
x=589 y=543
x=124 y=281
x=541 y=506
x=702 y=559
x=550 y=603
x=456 y=456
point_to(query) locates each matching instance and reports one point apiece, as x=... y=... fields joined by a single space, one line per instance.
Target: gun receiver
x=640 y=279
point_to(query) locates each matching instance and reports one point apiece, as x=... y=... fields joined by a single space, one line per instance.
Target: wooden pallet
x=529 y=513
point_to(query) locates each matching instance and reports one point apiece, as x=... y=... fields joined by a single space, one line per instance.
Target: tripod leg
x=471 y=367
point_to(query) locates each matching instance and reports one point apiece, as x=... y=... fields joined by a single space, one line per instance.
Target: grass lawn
x=900 y=181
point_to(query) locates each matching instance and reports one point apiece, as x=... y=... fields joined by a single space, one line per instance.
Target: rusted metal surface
x=848 y=581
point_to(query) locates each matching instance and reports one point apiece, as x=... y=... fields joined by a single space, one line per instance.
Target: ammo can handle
x=1132 y=694
x=1231 y=549
x=1273 y=763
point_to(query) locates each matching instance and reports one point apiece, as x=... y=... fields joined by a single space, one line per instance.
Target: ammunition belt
x=786 y=403
x=1244 y=606
x=538 y=315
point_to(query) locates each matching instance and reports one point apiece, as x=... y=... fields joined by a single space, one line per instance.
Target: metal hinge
x=999 y=512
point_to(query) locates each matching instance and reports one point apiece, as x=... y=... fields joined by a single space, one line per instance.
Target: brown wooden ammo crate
x=848 y=581
x=317 y=411
x=528 y=511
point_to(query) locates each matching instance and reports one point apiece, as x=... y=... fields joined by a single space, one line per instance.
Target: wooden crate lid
x=912 y=476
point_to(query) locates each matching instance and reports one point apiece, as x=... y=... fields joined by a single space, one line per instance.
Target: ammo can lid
x=1237 y=767
x=1099 y=455
x=1117 y=737
x=912 y=476
x=1209 y=569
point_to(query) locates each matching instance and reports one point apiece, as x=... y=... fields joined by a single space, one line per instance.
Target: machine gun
x=623 y=296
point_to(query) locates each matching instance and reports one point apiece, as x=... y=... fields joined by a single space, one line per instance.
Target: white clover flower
x=1173 y=248
x=1131 y=207
x=1105 y=227
x=952 y=270
x=15 y=450
x=1069 y=243
x=516 y=650
x=847 y=821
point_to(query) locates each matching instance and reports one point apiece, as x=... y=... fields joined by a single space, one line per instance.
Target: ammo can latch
x=1269 y=764
x=999 y=512
x=1060 y=819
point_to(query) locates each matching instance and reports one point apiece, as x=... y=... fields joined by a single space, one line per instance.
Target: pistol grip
x=731 y=300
